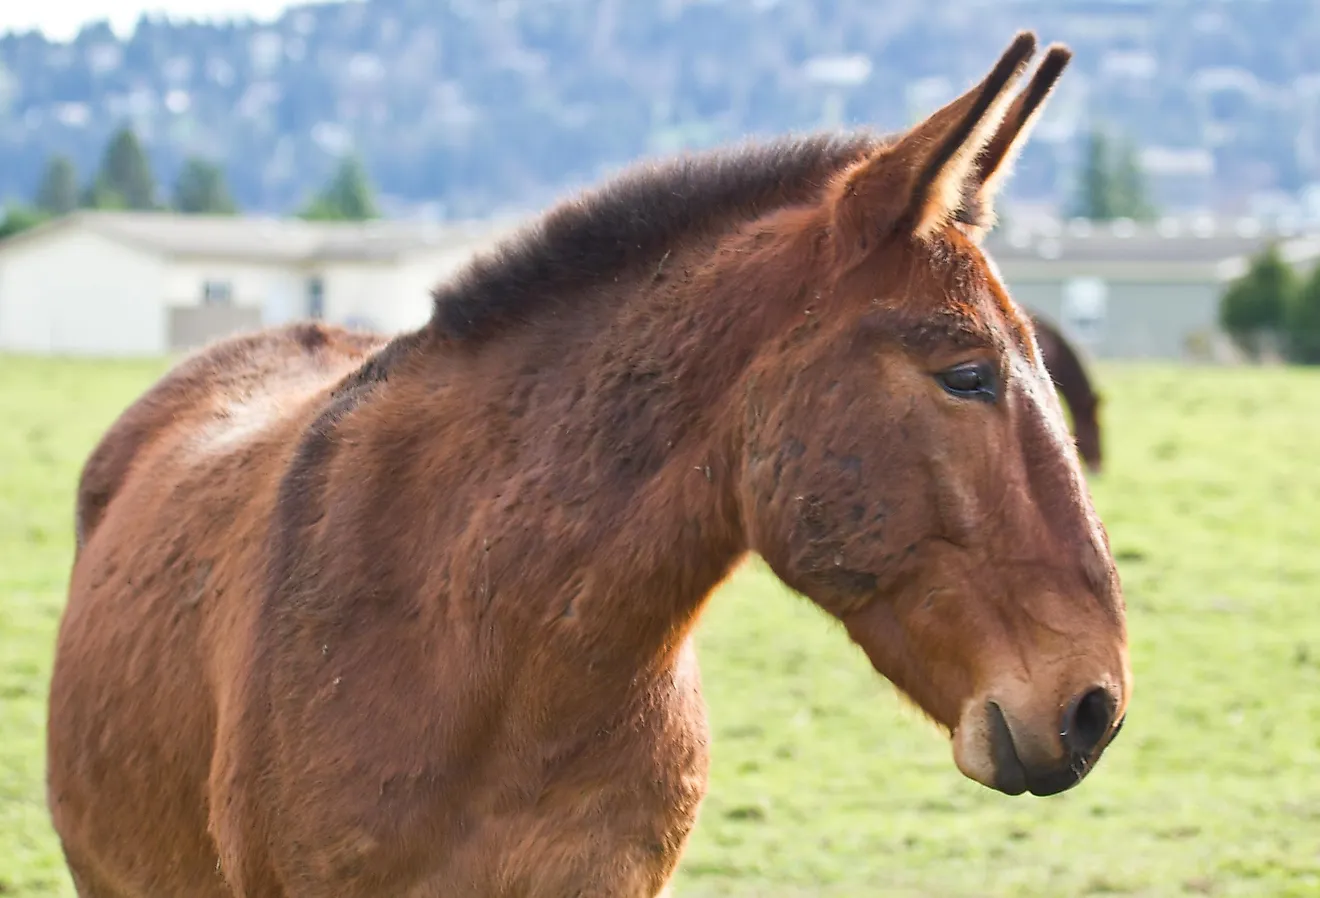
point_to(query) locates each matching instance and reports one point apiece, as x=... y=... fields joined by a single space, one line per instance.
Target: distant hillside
x=474 y=105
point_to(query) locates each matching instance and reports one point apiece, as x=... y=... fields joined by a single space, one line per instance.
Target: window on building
x=1085 y=304
x=315 y=298
x=217 y=293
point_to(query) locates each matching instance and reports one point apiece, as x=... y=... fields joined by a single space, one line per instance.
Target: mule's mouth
x=998 y=762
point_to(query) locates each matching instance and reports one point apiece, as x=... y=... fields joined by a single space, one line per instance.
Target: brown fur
x=352 y=617
x=996 y=158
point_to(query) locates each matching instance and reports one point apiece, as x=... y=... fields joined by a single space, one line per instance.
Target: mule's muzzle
x=1085 y=730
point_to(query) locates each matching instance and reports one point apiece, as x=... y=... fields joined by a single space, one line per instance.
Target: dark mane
x=632 y=221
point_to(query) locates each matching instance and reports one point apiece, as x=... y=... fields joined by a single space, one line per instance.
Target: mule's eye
x=973 y=380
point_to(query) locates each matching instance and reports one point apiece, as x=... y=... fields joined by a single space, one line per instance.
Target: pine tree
x=1111 y=184
x=200 y=189
x=100 y=195
x=1096 y=191
x=124 y=176
x=346 y=197
x=1130 y=188
x=58 y=193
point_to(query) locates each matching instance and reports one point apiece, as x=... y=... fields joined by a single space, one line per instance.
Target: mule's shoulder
x=300 y=495
x=247 y=365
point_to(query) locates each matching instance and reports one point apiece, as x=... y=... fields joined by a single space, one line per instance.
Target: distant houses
x=149 y=283
x=1125 y=290
x=123 y=284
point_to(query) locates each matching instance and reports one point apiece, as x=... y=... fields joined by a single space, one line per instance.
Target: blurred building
x=125 y=284
x=141 y=284
x=1137 y=291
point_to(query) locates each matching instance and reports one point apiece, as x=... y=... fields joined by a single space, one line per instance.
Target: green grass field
x=825 y=783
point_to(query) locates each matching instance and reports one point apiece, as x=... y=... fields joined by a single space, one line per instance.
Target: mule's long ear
x=996 y=158
x=918 y=183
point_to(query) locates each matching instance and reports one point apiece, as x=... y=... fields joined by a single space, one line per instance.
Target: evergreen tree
x=58 y=193
x=1302 y=323
x=124 y=179
x=346 y=197
x=200 y=189
x=1129 y=187
x=99 y=195
x=1096 y=191
x=1257 y=302
x=1111 y=184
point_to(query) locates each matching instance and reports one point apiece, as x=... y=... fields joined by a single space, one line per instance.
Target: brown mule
x=1069 y=375
x=352 y=617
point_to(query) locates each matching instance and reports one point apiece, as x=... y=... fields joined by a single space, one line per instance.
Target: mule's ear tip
x=1058 y=54
x=1016 y=57
x=1057 y=57
x=1024 y=43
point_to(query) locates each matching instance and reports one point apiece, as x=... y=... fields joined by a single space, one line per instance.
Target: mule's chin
x=973 y=752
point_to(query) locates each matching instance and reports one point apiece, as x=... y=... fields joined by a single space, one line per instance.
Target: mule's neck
x=648 y=442
x=598 y=454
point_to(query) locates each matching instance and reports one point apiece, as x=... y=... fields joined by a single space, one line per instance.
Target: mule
x=1065 y=368
x=356 y=616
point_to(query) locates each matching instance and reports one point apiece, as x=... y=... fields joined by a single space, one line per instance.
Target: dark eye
x=973 y=380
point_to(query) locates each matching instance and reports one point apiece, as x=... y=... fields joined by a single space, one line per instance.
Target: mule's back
x=208 y=385
x=168 y=506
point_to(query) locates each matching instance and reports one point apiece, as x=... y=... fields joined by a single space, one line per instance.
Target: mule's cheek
x=928 y=677
x=816 y=525
x=841 y=562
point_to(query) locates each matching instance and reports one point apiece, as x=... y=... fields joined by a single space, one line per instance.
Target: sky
x=61 y=19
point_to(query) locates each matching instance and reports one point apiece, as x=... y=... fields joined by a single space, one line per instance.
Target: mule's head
x=908 y=467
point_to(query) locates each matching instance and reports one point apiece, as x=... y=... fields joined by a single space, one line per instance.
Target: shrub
x=1302 y=323
x=1257 y=303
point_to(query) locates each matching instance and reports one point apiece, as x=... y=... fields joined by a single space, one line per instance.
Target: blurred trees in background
x=1302 y=322
x=1110 y=184
x=1270 y=307
x=201 y=190
x=348 y=196
x=58 y=193
x=123 y=181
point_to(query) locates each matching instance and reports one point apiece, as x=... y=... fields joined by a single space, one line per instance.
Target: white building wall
x=279 y=290
x=71 y=291
x=75 y=291
x=390 y=297
x=422 y=273
x=359 y=292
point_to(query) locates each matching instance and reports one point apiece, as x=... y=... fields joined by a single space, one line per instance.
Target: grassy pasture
x=824 y=782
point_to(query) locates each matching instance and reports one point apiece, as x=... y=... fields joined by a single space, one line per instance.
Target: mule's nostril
x=1086 y=721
